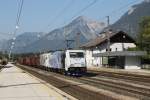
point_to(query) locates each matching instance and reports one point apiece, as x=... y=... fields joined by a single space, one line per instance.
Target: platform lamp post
x=10 y=52
x=13 y=42
x=9 y=55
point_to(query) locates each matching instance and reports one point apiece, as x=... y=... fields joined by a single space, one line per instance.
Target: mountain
x=22 y=41
x=129 y=22
x=3 y=38
x=86 y=28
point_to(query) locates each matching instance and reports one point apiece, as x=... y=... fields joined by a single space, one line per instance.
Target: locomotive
x=69 y=62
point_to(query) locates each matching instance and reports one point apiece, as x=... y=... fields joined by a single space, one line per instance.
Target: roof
x=103 y=38
x=120 y=53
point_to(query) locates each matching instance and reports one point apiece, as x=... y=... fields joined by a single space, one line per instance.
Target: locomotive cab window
x=76 y=54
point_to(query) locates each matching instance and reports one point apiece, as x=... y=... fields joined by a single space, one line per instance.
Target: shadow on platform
x=13 y=85
x=7 y=66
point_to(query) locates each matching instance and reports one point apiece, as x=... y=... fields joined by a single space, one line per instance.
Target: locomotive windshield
x=76 y=55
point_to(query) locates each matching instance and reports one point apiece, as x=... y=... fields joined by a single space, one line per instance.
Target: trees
x=144 y=35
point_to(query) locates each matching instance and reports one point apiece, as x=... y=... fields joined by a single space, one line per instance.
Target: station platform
x=15 y=84
x=129 y=71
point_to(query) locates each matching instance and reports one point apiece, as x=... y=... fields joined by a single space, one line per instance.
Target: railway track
x=142 y=79
x=137 y=79
x=119 y=87
x=126 y=80
x=74 y=90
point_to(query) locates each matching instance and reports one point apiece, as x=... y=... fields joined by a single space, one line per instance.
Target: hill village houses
x=110 y=49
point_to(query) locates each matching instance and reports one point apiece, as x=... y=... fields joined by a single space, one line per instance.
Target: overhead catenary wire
x=66 y=7
x=76 y=14
x=83 y=9
x=79 y=12
x=111 y=13
x=58 y=15
x=61 y=13
x=124 y=6
x=64 y=11
x=20 y=7
x=92 y=3
x=19 y=12
x=108 y=21
x=118 y=10
x=55 y=18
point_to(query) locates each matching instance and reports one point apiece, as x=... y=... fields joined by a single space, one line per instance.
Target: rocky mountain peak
x=87 y=27
x=81 y=19
x=147 y=1
x=129 y=22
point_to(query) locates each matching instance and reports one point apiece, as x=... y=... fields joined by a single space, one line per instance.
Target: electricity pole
x=68 y=43
x=77 y=40
x=107 y=21
x=108 y=34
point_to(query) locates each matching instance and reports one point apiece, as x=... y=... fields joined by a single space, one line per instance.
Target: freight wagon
x=69 y=62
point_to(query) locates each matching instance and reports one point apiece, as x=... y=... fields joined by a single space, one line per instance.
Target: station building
x=111 y=50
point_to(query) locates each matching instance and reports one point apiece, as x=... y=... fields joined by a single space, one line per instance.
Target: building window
x=109 y=49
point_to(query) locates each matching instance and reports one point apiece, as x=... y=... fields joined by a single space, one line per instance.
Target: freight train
x=69 y=62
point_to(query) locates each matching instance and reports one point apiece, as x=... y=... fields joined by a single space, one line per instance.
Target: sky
x=46 y=15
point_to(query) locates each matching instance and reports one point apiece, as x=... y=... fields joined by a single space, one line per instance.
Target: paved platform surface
x=133 y=71
x=18 y=85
